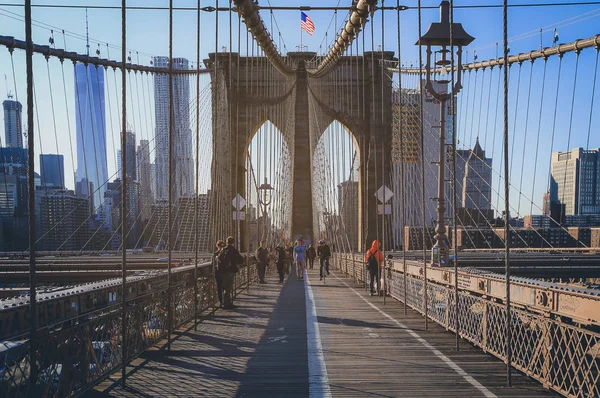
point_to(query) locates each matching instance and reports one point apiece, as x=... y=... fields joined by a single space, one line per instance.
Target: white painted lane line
x=318 y=382
x=451 y=364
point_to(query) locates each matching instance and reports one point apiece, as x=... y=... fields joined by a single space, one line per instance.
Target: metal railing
x=80 y=336
x=560 y=351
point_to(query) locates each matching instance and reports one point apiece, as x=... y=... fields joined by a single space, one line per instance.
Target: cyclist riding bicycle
x=323 y=252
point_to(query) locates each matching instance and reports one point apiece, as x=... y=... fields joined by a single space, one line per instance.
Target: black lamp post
x=438 y=35
x=265 y=201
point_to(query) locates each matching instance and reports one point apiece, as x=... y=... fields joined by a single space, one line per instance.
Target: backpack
x=224 y=260
x=371 y=262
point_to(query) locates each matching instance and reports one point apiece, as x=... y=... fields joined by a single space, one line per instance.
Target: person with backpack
x=280 y=256
x=311 y=254
x=374 y=262
x=220 y=245
x=300 y=257
x=229 y=261
x=324 y=252
x=262 y=259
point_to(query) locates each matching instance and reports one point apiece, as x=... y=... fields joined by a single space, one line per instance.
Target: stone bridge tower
x=247 y=91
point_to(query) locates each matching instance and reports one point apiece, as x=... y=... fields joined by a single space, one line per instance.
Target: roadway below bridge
x=555 y=264
x=69 y=269
x=309 y=339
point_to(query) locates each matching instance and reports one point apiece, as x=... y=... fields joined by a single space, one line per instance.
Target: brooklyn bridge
x=414 y=191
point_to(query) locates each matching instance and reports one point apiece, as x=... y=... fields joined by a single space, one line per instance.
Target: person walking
x=324 y=252
x=289 y=257
x=229 y=261
x=215 y=263
x=280 y=256
x=300 y=257
x=374 y=262
x=311 y=254
x=262 y=259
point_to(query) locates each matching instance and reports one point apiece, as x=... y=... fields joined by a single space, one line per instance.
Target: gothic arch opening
x=336 y=187
x=268 y=186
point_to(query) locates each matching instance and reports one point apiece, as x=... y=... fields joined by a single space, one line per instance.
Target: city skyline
x=153 y=40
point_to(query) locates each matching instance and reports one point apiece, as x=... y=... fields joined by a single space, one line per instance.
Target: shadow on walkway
x=279 y=366
x=259 y=349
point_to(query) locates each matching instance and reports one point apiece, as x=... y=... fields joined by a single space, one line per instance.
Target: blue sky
x=148 y=29
x=148 y=35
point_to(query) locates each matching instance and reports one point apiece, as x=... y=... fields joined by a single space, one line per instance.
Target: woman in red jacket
x=374 y=262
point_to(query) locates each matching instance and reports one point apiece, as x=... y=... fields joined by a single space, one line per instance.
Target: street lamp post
x=438 y=35
x=265 y=201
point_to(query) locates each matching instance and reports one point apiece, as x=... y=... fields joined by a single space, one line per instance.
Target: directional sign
x=239 y=215
x=383 y=194
x=384 y=209
x=238 y=202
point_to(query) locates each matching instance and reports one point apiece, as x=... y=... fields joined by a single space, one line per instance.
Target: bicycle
x=323 y=269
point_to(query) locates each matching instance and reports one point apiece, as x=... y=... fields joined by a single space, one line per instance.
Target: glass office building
x=91 y=130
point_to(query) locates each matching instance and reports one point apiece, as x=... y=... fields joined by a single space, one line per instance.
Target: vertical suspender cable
x=232 y=178
x=215 y=196
x=383 y=145
x=403 y=198
x=508 y=336
x=372 y=143
x=587 y=145
x=197 y=198
x=237 y=133
x=171 y=170
x=422 y=132
x=363 y=155
x=454 y=213
x=31 y=189
x=124 y=332
x=247 y=160
x=539 y=129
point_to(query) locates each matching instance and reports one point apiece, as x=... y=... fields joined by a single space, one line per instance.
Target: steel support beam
x=12 y=43
x=575 y=46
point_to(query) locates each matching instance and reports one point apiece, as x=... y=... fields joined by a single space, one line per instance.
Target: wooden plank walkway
x=369 y=354
x=260 y=350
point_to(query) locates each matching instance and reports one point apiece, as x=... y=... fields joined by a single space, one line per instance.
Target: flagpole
x=300 y=32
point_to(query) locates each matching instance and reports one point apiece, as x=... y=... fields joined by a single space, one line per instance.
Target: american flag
x=307 y=24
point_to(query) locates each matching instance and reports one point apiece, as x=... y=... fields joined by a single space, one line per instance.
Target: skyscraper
x=13 y=162
x=13 y=128
x=348 y=211
x=182 y=149
x=410 y=153
x=575 y=181
x=52 y=168
x=132 y=172
x=63 y=221
x=145 y=179
x=477 y=180
x=114 y=196
x=546 y=204
x=91 y=131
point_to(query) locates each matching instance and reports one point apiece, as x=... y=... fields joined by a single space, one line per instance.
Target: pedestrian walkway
x=311 y=338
